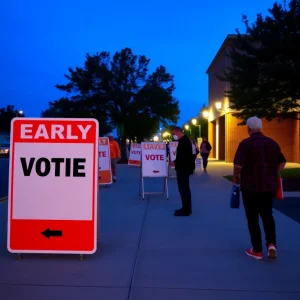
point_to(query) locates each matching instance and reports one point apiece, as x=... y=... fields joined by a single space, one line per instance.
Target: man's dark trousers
x=183 y=181
x=260 y=204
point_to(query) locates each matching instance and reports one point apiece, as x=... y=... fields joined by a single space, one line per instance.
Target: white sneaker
x=272 y=253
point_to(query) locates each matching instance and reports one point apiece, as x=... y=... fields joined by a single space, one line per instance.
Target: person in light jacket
x=195 y=148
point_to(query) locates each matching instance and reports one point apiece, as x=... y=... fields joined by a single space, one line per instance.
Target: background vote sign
x=173 y=150
x=135 y=155
x=105 y=176
x=53 y=186
x=154 y=160
x=198 y=163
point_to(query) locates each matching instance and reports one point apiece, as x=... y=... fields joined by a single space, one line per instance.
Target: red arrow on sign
x=155 y=171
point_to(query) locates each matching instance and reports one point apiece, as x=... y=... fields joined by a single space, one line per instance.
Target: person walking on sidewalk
x=114 y=155
x=259 y=161
x=205 y=148
x=184 y=167
x=194 y=148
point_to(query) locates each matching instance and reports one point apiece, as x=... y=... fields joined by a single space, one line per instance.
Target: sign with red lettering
x=53 y=186
x=135 y=155
x=173 y=151
x=105 y=175
x=154 y=160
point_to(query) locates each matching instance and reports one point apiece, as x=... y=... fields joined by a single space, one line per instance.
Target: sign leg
x=167 y=188
x=81 y=257
x=143 y=191
x=140 y=186
x=98 y=220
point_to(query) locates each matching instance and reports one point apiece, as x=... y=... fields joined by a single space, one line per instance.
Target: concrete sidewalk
x=147 y=253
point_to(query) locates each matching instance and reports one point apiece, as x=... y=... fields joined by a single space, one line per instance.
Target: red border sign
x=53 y=186
x=105 y=175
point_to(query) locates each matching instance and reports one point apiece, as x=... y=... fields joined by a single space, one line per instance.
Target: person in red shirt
x=115 y=155
x=259 y=161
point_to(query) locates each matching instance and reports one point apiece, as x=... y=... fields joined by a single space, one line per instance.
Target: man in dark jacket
x=184 y=166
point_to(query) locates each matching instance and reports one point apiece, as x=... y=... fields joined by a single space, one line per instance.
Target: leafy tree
x=69 y=108
x=121 y=90
x=6 y=115
x=145 y=125
x=265 y=65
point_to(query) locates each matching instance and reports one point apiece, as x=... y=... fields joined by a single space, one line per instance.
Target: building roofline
x=228 y=38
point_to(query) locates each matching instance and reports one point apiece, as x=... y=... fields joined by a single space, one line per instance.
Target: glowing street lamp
x=218 y=105
x=194 y=122
x=156 y=138
x=205 y=114
x=187 y=127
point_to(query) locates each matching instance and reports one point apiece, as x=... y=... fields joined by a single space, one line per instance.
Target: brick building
x=223 y=132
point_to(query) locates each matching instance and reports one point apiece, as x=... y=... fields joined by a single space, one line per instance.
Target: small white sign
x=173 y=150
x=198 y=163
x=154 y=160
x=105 y=175
x=135 y=155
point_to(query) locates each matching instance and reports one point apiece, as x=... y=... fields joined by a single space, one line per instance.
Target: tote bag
x=235 y=196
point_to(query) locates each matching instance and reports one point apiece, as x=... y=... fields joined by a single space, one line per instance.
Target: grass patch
x=291 y=173
x=290 y=176
x=228 y=177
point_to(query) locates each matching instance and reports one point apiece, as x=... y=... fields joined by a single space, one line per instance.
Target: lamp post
x=194 y=122
x=187 y=127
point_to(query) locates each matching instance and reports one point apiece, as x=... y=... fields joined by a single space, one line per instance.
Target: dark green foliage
x=6 y=115
x=265 y=65
x=120 y=92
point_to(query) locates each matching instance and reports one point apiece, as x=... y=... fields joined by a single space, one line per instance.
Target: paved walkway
x=147 y=253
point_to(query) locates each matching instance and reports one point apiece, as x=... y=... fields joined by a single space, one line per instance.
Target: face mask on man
x=175 y=137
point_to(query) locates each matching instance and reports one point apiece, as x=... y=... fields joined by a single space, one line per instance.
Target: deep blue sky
x=41 y=39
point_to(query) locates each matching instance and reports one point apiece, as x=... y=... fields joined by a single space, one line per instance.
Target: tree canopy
x=265 y=65
x=6 y=115
x=121 y=91
x=71 y=108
